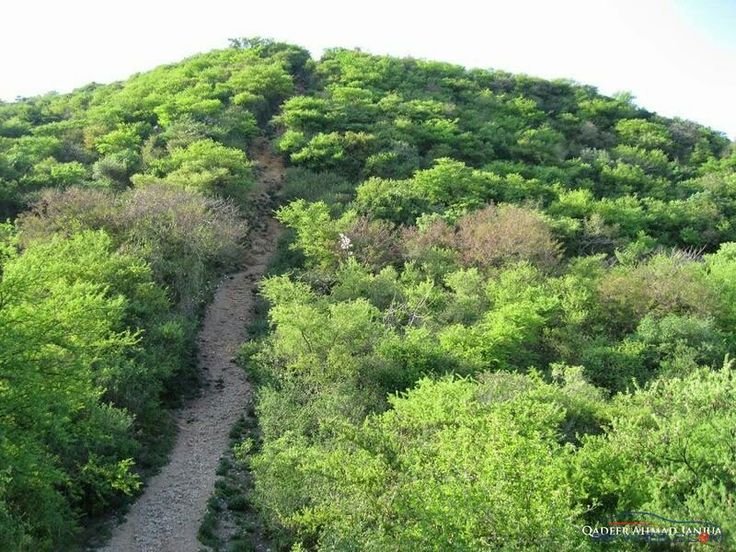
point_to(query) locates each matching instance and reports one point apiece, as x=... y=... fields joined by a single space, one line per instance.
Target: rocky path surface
x=166 y=518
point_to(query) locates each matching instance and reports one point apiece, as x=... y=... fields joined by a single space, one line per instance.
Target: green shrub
x=184 y=236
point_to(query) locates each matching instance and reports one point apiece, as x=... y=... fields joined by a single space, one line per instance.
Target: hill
x=503 y=310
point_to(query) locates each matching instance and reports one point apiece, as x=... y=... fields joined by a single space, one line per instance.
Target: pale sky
x=678 y=57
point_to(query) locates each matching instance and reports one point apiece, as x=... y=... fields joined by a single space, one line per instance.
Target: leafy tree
x=667 y=451
x=446 y=466
x=204 y=165
x=64 y=336
x=642 y=133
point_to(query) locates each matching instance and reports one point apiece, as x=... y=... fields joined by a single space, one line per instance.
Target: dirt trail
x=168 y=514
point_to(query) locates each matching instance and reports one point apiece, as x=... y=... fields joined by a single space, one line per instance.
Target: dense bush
x=99 y=311
x=203 y=165
x=69 y=346
x=505 y=233
x=488 y=237
x=186 y=122
x=669 y=449
x=437 y=467
x=184 y=236
x=443 y=468
x=555 y=260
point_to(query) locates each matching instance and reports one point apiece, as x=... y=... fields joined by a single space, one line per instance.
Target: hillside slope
x=506 y=312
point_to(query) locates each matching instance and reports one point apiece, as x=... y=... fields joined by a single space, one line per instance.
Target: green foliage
x=669 y=449
x=184 y=236
x=97 y=332
x=330 y=187
x=203 y=165
x=644 y=134
x=452 y=464
x=188 y=122
x=330 y=151
x=449 y=186
x=507 y=318
x=64 y=338
x=317 y=234
x=663 y=285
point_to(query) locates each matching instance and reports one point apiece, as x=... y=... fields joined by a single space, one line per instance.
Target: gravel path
x=168 y=514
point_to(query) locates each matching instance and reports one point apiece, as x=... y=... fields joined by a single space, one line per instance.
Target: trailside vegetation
x=127 y=202
x=511 y=314
x=508 y=310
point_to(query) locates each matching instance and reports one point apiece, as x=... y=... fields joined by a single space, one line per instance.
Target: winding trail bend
x=167 y=516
